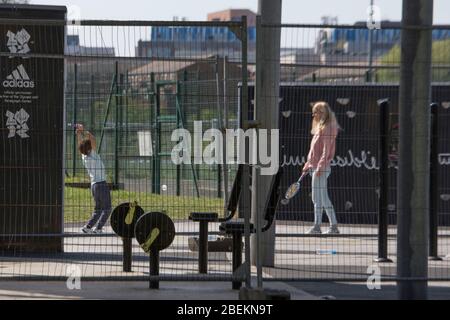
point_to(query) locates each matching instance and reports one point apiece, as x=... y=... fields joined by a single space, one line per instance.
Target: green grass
x=78 y=203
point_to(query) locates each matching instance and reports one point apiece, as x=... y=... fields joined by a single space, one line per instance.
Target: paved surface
x=359 y=290
x=296 y=258
x=134 y=291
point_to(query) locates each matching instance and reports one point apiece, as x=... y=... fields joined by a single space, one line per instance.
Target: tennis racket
x=293 y=190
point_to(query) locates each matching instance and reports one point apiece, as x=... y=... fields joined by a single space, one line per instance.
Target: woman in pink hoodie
x=323 y=146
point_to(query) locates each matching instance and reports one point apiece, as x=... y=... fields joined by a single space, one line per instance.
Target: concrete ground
x=296 y=257
x=359 y=290
x=178 y=291
x=58 y=290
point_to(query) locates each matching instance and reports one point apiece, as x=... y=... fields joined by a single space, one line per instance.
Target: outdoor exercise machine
x=123 y=221
x=204 y=218
x=154 y=231
x=236 y=228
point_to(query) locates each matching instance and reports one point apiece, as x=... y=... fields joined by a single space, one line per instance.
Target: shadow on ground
x=359 y=291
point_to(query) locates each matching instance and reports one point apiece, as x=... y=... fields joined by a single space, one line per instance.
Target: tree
x=440 y=58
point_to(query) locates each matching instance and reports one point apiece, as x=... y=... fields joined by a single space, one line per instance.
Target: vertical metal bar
x=256 y=179
x=75 y=102
x=179 y=125
x=219 y=124
x=156 y=156
x=414 y=157
x=127 y=79
x=219 y=180
x=108 y=107
x=185 y=103
x=434 y=187
x=237 y=257
x=370 y=56
x=116 y=130
x=225 y=116
x=246 y=173
x=267 y=93
x=153 y=129
x=121 y=115
x=180 y=117
x=127 y=254
x=154 y=268
x=92 y=104
x=203 y=248
x=383 y=182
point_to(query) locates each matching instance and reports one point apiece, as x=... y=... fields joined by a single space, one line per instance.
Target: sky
x=293 y=11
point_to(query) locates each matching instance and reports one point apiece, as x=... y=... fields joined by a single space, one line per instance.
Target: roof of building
x=163 y=66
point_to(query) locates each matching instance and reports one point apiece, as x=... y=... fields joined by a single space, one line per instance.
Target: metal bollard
x=384 y=183
x=434 y=179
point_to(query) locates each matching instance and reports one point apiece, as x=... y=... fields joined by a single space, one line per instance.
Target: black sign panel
x=32 y=114
x=353 y=183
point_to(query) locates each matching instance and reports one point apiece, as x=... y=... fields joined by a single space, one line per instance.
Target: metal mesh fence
x=131 y=85
x=356 y=71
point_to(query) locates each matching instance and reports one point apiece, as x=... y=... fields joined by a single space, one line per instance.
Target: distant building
x=233 y=15
x=194 y=42
x=297 y=62
x=343 y=52
x=74 y=48
x=355 y=41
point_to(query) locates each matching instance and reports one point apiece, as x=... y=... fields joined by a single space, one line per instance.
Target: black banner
x=32 y=113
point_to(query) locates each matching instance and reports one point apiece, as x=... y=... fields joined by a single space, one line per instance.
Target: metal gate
x=131 y=84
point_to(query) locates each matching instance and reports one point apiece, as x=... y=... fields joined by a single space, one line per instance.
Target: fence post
x=383 y=182
x=127 y=89
x=74 y=149
x=92 y=105
x=116 y=131
x=225 y=127
x=179 y=125
x=434 y=179
x=245 y=183
x=153 y=129
x=219 y=124
x=414 y=147
x=127 y=254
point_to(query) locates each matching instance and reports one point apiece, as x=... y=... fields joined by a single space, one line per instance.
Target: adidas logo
x=18 y=79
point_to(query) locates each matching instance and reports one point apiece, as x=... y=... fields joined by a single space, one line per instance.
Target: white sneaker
x=86 y=229
x=332 y=230
x=314 y=230
x=97 y=230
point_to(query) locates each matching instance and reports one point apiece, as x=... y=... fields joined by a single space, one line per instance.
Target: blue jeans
x=102 y=198
x=320 y=197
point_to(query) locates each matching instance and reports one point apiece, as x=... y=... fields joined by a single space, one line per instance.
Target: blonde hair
x=328 y=117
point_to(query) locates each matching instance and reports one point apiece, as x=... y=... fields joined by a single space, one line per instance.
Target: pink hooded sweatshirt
x=323 y=148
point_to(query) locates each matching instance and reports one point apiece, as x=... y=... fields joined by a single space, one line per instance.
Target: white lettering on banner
x=19 y=78
x=18 y=42
x=293 y=161
x=444 y=159
x=365 y=161
x=16 y=123
x=368 y=163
